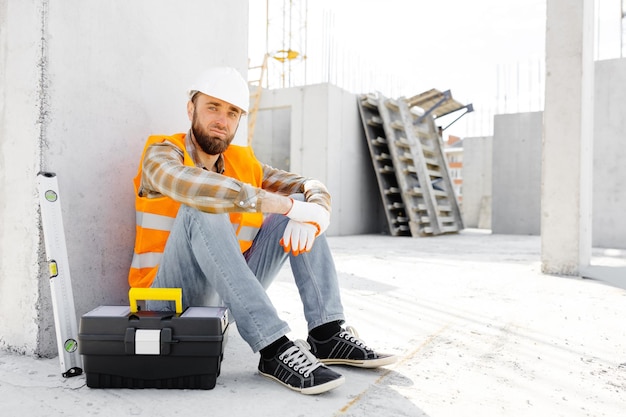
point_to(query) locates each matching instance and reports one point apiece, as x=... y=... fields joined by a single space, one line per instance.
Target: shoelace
x=352 y=335
x=300 y=358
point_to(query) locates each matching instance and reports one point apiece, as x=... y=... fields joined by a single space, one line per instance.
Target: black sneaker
x=345 y=348
x=296 y=368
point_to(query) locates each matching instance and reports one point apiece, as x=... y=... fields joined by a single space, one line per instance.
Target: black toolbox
x=122 y=347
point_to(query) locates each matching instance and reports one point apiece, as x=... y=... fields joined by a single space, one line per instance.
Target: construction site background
x=84 y=84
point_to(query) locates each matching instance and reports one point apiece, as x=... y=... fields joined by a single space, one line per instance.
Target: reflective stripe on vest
x=146 y=260
x=154 y=221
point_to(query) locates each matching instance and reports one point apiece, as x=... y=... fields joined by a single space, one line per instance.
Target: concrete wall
x=272 y=142
x=477 y=166
x=82 y=84
x=517 y=155
x=325 y=141
x=609 y=154
x=516 y=201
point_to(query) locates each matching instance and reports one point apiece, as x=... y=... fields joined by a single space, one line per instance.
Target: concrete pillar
x=568 y=137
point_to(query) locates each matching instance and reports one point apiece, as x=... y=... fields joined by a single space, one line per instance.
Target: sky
x=486 y=52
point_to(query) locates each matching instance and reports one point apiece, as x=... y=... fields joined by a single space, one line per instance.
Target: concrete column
x=568 y=137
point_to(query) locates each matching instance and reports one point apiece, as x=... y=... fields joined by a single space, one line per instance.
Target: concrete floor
x=478 y=328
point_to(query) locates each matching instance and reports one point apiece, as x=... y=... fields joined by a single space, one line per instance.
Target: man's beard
x=211 y=145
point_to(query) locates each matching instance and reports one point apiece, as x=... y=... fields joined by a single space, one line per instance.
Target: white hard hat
x=224 y=83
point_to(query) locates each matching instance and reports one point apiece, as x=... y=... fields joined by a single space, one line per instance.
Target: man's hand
x=298 y=237
x=310 y=213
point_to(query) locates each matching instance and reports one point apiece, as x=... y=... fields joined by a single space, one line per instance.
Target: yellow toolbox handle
x=154 y=294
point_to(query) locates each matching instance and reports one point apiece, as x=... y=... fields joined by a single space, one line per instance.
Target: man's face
x=213 y=122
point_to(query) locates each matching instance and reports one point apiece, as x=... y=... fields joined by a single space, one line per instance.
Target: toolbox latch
x=148 y=341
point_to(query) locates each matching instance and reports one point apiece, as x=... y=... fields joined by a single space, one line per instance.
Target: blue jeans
x=202 y=256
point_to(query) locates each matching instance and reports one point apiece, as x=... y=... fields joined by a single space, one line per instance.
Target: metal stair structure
x=407 y=154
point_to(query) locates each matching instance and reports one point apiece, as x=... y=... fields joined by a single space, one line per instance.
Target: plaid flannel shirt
x=165 y=175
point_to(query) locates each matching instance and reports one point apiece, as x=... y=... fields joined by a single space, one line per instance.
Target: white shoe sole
x=369 y=363
x=317 y=389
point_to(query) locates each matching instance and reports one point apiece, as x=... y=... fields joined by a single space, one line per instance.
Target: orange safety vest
x=155 y=216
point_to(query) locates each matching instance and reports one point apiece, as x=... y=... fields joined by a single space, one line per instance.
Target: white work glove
x=311 y=213
x=298 y=237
